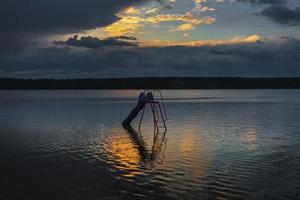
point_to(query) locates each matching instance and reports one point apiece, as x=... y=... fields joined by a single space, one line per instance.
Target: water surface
x=220 y=144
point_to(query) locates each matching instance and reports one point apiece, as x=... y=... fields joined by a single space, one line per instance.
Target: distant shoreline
x=151 y=83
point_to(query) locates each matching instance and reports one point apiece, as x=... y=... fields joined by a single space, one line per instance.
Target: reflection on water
x=124 y=156
x=250 y=137
x=220 y=144
x=130 y=153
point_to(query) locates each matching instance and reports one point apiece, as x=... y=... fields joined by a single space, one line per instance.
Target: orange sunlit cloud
x=131 y=11
x=183 y=27
x=234 y=40
x=132 y=19
x=131 y=24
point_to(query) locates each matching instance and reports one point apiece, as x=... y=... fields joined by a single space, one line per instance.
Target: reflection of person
x=138 y=141
x=145 y=154
x=143 y=98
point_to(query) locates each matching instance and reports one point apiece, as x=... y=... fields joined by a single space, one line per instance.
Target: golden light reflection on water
x=129 y=153
x=250 y=137
x=196 y=155
x=187 y=143
x=124 y=155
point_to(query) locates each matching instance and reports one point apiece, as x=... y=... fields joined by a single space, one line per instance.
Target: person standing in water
x=144 y=97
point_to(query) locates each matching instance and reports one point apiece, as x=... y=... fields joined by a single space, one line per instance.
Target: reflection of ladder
x=158 y=111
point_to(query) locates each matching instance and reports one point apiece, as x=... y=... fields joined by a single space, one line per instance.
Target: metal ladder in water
x=158 y=111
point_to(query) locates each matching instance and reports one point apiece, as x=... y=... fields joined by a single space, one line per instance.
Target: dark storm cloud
x=20 y=20
x=264 y=1
x=282 y=15
x=94 y=42
x=271 y=57
x=124 y=37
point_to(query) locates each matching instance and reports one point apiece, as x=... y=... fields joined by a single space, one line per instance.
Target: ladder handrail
x=165 y=116
x=163 y=104
x=156 y=109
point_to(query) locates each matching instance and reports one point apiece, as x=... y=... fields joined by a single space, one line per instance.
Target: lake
x=220 y=144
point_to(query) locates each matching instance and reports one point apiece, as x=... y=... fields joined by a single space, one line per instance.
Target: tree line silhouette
x=152 y=83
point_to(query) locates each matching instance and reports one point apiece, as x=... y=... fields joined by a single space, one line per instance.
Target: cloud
x=94 y=42
x=261 y=2
x=130 y=24
x=200 y=8
x=282 y=15
x=131 y=41
x=131 y=11
x=162 y=6
x=198 y=43
x=186 y=18
x=272 y=56
x=132 y=20
x=124 y=37
x=183 y=27
x=21 y=20
x=158 y=10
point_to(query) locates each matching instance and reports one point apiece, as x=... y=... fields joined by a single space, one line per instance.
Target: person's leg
x=135 y=111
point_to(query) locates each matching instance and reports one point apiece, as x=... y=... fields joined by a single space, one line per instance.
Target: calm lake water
x=220 y=144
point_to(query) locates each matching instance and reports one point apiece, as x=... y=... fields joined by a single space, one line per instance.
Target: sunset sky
x=125 y=38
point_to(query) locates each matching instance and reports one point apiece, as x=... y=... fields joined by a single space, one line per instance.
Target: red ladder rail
x=158 y=111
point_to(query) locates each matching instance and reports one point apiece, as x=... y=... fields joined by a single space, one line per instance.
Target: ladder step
x=161 y=124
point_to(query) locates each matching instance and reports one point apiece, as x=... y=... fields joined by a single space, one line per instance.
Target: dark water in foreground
x=229 y=144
